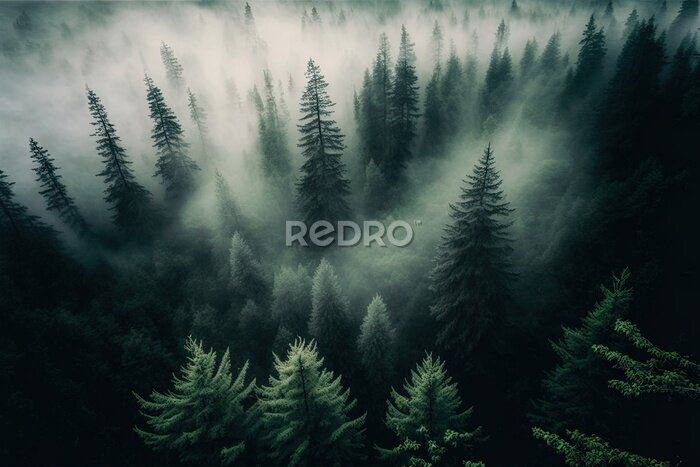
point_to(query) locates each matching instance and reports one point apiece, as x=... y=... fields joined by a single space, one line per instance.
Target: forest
x=545 y=155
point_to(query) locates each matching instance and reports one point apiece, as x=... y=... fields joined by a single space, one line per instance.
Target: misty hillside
x=523 y=175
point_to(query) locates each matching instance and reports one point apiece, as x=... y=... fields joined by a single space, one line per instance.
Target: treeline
x=278 y=370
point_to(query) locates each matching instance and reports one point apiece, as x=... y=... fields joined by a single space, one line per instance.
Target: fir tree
x=438 y=42
x=291 y=300
x=376 y=345
x=273 y=139
x=550 y=62
x=129 y=201
x=631 y=23
x=375 y=190
x=203 y=417
x=471 y=276
x=305 y=412
x=452 y=90
x=174 y=166
x=54 y=191
x=428 y=411
x=173 y=69
x=329 y=324
x=227 y=213
x=590 y=57
x=502 y=34
x=15 y=220
x=199 y=118
x=247 y=278
x=404 y=106
x=433 y=116
x=576 y=387
x=527 y=62
x=322 y=188
x=382 y=80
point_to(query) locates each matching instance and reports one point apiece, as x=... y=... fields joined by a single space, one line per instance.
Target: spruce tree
x=305 y=412
x=199 y=118
x=404 y=107
x=576 y=388
x=471 y=277
x=174 y=166
x=329 y=324
x=129 y=201
x=173 y=69
x=247 y=277
x=375 y=190
x=438 y=43
x=322 y=188
x=631 y=23
x=502 y=34
x=272 y=134
x=203 y=418
x=291 y=299
x=54 y=191
x=590 y=57
x=433 y=116
x=382 y=80
x=527 y=62
x=227 y=212
x=452 y=90
x=428 y=411
x=376 y=346
x=551 y=61
x=15 y=220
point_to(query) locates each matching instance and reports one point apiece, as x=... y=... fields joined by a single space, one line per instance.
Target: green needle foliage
x=203 y=418
x=306 y=412
x=582 y=450
x=663 y=372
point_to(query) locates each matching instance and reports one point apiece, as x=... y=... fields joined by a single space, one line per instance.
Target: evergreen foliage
x=203 y=418
x=173 y=69
x=306 y=412
x=291 y=299
x=377 y=346
x=199 y=117
x=247 y=278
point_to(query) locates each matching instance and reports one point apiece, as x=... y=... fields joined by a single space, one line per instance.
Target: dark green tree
x=199 y=118
x=129 y=201
x=527 y=62
x=54 y=191
x=590 y=57
x=305 y=412
x=329 y=324
x=203 y=418
x=433 y=117
x=551 y=61
x=471 y=277
x=247 y=278
x=272 y=134
x=291 y=300
x=382 y=81
x=376 y=190
x=173 y=69
x=174 y=166
x=322 y=188
x=377 y=348
x=15 y=220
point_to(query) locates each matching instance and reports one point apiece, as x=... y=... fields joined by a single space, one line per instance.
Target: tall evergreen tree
x=527 y=62
x=453 y=95
x=471 y=276
x=433 y=126
x=291 y=300
x=576 y=388
x=129 y=201
x=438 y=42
x=173 y=69
x=174 y=166
x=382 y=80
x=15 y=220
x=199 y=118
x=502 y=34
x=272 y=134
x=329 y=324
x=376 y=345
x=203 y=418
x=404 y=106
x=305 y=412
x=247 y=277
x=551 y=60
x=54 y=191
x=227 y=212
x=590 y=56
x=429 y=410
x=323 y=187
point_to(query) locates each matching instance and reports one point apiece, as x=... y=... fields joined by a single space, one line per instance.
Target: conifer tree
x=199 y=118
x=438 y=42
x=452 y=90
x=382 y=80
x=550 y=62
x=174 y=166
x=375 y=191
x=272 y=134
x=577 y=386
x=404 y=106
x=173 y=69
x=129 y=201
x=376 y=345
x=53 y=189
x=329 y=324
x=471 y=276
x=590 y=56
x=203 y=418
x=502 y=34
x=249 y=20
x=322 y=188
x=527 y=62
x=428 y=411
x=433 y=126
x=15 y=220
x=631 y=23
x=227 y=212
x=247 y=278
x=305 y=412
x=291 y=299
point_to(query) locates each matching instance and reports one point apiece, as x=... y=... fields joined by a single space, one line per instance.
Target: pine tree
x=452 y=90
x=404 y=106
x=527 y=62
x=375 y=191
x=471 y=276
x=502 y=34
x=322 y=188
x=199 y=118
x=174 y=166
x=203 y=417
x=576 y=388
x=273 y=138
x=227 y=213
x=433 y=116
x=305 y=412
x=129 y=201
x=550 y=62
x=590 y=57
x=438 y=42
x=631 y=23
x=376 y=345
x=54 y=191
x=173 y=69
x=247 y=278
x=382 y=80
x=428 y=411
x=291 y=300
x=329 y=324
x=15 y=220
